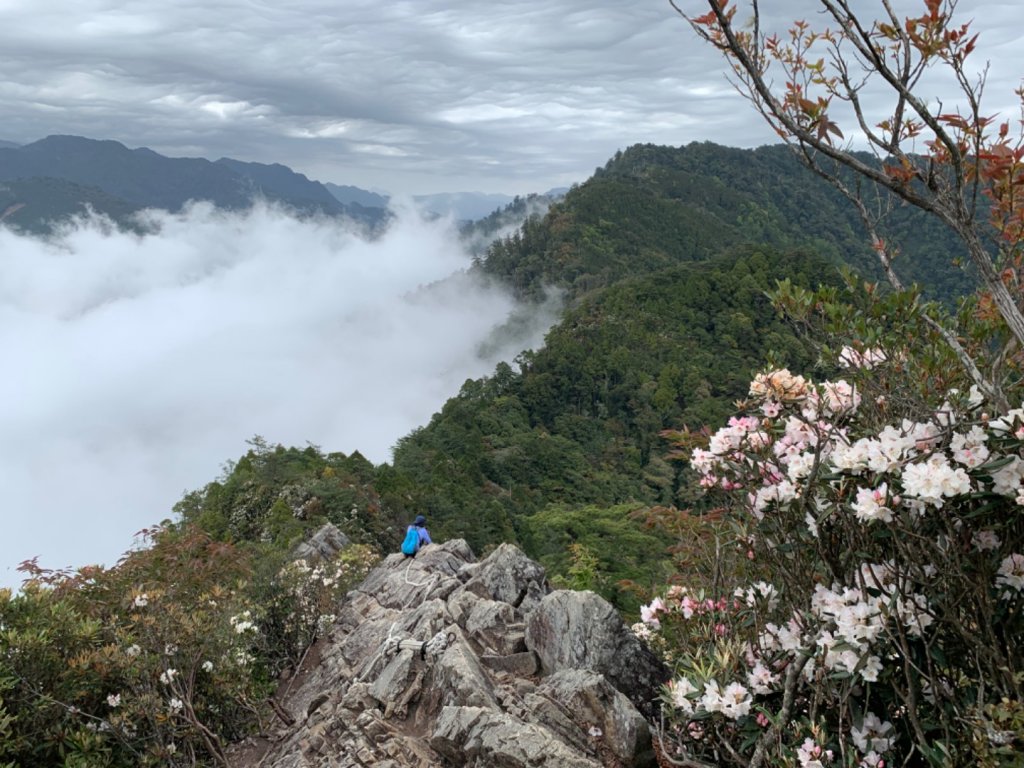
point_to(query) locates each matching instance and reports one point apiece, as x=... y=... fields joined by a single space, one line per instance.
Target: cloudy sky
x=409 y=96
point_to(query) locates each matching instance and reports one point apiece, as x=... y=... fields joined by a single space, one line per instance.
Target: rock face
x=324 y=544
x=443 y=661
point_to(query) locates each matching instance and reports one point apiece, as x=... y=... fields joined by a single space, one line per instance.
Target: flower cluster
x=243 y=623
x=866 y=359
x=873 y=538
x=302 y=605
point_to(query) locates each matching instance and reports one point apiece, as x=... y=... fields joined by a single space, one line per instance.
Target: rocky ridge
x=444 y=661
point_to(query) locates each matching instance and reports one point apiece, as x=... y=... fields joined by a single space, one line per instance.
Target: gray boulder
x=326 y=542
x=581 y=630
x=509 y=576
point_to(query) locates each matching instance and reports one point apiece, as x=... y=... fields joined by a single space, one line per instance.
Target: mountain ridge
x=143 y=178
x=445 y=659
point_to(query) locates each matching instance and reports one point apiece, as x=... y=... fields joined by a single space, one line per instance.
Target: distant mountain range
x=114 y=180
x=60 y=176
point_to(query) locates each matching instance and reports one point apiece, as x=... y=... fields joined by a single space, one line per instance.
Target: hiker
x=416 y=535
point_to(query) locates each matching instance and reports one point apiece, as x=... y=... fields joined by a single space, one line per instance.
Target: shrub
x=160 y=660
x=885 y=628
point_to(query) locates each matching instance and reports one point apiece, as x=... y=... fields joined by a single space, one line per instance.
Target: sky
x=409 y=96
x=135 y=368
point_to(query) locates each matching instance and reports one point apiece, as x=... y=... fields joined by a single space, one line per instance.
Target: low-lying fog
x=134 y=367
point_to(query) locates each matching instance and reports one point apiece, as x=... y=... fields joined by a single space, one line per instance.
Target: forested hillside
x=664 y=258
x=653 y=206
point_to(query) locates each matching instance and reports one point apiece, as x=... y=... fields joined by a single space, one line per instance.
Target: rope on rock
x=416 y=583
x=392 y=644
x=433 y=647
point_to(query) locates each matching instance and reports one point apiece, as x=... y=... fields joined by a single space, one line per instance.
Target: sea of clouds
x=134 y=366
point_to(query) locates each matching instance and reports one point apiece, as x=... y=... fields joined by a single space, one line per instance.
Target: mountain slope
x=35 y=204
x=146 y=179
x=347 y=194
x=139 y=176
x=579 y=424
x=662 y=259
x=278 y=182
x=652 y=206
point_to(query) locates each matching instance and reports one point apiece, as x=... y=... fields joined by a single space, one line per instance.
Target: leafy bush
x=160 y=660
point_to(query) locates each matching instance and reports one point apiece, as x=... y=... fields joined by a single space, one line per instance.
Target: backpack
x=412 y=541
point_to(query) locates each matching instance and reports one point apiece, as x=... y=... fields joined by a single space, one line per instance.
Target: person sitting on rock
x=416 y=535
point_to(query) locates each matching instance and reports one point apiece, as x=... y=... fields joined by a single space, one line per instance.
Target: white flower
x=711 y=701
x=641 y=630
x=1007 y=423
x=761 y=591
x=1007 y=480
x=868 y=359
x=780 y=493
x=913 y=612
x=132 y=651
x=840 y=397
x=779 y=385
x=168 y=676
x=649 y=613
x=799 y=465
x=175 y=705
x=810 y=755
x=207 y=666
x=242 y=622
x=681 y=690
x=983 y=540
x=869 y=672
x=761 y=679
x=812 y=524
x=874 y=735
x=870 y=505
x=595 y=732
x=170 y=649
x=934 y=479
x=1011 y=573
x=736 y=701
x=969 y=449
x=141 y=600
x=114 y=700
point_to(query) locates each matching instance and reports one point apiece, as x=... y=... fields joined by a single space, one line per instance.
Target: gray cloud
x=422 y=96
x=134 y=367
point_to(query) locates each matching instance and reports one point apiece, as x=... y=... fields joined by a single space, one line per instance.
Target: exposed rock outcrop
x=443 y=661
x=324 y=544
